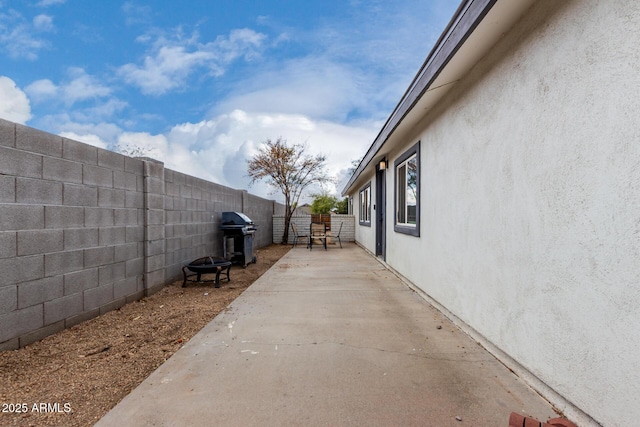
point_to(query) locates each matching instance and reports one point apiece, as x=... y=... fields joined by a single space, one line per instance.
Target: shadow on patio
x=329 y=338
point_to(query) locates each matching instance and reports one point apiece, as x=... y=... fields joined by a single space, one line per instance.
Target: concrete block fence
x=85 y=230
x=303 y=222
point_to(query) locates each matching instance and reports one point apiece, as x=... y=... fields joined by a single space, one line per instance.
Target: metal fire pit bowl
x=206 y=265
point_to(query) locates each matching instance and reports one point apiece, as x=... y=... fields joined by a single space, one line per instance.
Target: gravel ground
x=76 y=376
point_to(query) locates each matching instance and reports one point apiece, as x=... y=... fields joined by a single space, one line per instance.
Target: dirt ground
x=76 y=376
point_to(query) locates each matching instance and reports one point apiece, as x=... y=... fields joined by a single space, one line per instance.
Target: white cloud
x=43 y=23
x=170 y=62
x=154 y=146
x=313 y=86
x=15 y=104
x=41 y=90
x=242 y=42
x=165 y=71
x=81 y=105
x=18 y=38
x=101 y=134
x=80 y=87
x=344 y=76
x=103 y=110
x=83 y=86
x=358 y=63
x=90 y=139
x=218 y=149
x=136 y=14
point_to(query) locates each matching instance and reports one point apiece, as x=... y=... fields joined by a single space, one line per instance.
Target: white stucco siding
x=365 y=235
x=530 y=202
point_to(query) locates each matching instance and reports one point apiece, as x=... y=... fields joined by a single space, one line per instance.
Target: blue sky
x=200 y=84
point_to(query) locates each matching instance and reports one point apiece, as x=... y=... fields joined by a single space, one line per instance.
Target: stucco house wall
x=530 y=203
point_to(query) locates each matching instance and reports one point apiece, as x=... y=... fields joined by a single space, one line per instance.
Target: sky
x=201 y=84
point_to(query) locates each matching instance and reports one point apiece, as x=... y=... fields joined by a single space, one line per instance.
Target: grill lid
x=235 y=218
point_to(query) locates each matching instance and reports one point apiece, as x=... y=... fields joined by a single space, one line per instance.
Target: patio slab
x=329 y=338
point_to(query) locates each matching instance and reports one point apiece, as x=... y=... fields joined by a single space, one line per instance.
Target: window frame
x=364 y=215
x=404 y=227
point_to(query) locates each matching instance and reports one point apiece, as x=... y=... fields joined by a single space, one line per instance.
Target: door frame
x=381 y=204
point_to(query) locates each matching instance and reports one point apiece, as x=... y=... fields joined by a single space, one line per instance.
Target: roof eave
x=468 y=17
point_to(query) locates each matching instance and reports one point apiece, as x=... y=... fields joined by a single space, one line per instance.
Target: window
x=407 y=189
x=365 y=205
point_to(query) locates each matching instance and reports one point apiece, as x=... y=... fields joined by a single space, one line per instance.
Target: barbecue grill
x=238 y=232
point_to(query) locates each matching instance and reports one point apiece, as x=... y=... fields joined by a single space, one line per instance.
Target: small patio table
x=318 y=231
x=206 y=265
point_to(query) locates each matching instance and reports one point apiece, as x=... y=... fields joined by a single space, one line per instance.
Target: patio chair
x=297 y=235
x=337 y=236
x=318 y=231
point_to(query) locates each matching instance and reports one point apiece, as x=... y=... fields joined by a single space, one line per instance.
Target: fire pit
x=206 y=265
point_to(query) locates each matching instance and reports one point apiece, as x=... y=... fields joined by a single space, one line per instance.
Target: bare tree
x=288 y=169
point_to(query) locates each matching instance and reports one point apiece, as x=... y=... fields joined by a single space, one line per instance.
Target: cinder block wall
x=261 y=211
x=303 y=222
x=85 y=230
x=193 y=209
x=71 y=233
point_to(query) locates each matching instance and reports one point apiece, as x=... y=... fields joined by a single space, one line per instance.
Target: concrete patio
x=329 y=338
